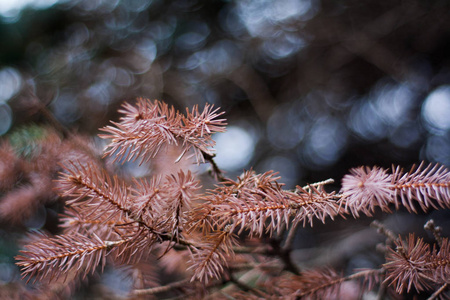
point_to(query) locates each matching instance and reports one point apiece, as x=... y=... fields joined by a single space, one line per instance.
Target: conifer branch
x=413 y=265
x=367 y=188
x=148 y=127
x=87 y=186
x=212 y=258
x=51 y=257
x=128 y=219
x=323 y=284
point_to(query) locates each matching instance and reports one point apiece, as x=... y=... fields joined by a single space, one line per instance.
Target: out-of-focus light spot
x=78 y=33
x=5 y=118
x=365 y=121
x=326 y=141
x=437 y=149
x=193 y=61
x=285 y=9
x=191 y=41
x=386 y=108
x=283 y=45
x=286 y=168
x=161 y=30
x=65 y=108
x=78 y=58
x=234 y=148
x=162 y=34
x=104 y=6
x=136 y=5
x=10 y=83
x=223 y=57
x=147 y=51
x=210 y=95
x=10 y=9
x=406 y=135
x=123 y=77
x=115 y=281
x=231 y=22
x=393 y=103
x=121 y=18
x=194 y=37
x=147 y=48
x=136 y=169
x=8 y=273
x=101 y=93
x=37 y=220
x=259 y=16
x=285 y=128
x=436 y=109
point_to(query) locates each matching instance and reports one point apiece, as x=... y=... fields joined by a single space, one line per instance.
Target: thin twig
x=321 y=183
x=436 y=230
x=50 y=117
x=290 y=238
x=285 y=256
x=161 y=289
x=384 y=230
x=438 y=292
x=216 y=171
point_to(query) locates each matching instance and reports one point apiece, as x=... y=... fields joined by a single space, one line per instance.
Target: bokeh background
x=311 y=88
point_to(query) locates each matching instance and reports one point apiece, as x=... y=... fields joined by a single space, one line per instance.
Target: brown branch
x=216 y=171
x=285 y=256
x=436 y=230
x=437 y=293
x=161 y=289
x=290 y=237
x=320 y=183
x=390 y=235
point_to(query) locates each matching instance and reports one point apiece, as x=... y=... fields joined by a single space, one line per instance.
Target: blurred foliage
x=311 y=88
x=25 y=140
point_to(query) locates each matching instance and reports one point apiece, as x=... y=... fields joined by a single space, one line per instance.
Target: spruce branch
x=178 y=191
x=91 y=188
x=427 y=186
x=211 y=260
x=145 y=195
x=413 y=265
x=366 y=188
x=127 y=220
x=257 y=202
x=50 y=257
x=324 y=283
x=150 y=126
